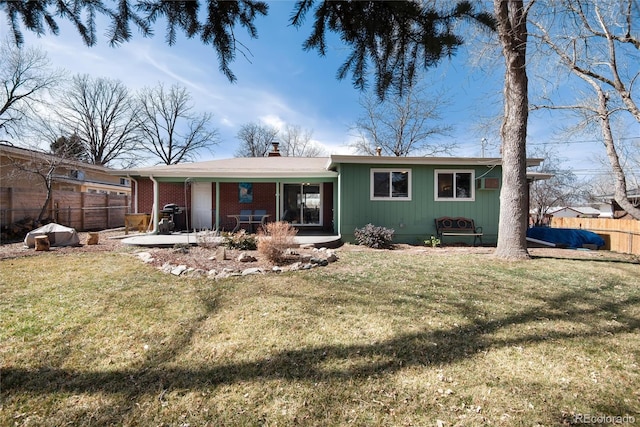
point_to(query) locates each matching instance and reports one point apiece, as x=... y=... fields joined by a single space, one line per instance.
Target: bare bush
x=209 y=239
x=278 y=237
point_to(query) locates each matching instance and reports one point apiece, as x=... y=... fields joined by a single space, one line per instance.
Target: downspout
x=156 y=204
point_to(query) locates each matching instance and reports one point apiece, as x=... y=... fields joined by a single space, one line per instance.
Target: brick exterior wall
x=170 y=192
x=264 y=197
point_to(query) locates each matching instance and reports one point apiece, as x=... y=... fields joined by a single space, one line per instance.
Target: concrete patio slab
x=168 y=240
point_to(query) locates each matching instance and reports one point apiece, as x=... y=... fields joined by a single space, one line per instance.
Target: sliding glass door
x=302 y=204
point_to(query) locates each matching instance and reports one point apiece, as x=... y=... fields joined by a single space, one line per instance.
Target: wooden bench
x=458 y=226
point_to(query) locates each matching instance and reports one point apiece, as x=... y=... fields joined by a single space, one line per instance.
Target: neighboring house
x=17 y=166
x=601 y=210
x=575 y=212
x=83 y=196
x=334 y=194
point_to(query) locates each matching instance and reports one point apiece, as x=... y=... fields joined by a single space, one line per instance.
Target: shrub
x=181 y=247
x=279 y=236
x=377 y=237
x=433 y=241
x=209 y=239
x=240 y=240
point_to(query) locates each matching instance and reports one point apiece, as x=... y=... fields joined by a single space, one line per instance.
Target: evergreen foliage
x=395 y=38
x=373 y=236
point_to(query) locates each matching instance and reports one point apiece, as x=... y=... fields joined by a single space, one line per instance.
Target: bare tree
x=255 y=140
x=598 y=42
x=402 y=125
x=25 y=77
x=171 y=131
x=511 y=16
x=104 y=115
x=296 y=142
x=560 y=189
x=36 y=167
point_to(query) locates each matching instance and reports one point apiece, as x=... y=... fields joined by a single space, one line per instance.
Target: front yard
x=379 y=338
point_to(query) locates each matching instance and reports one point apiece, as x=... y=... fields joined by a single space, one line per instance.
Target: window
x=454 y=185
x=390 y=184
x=125 y=181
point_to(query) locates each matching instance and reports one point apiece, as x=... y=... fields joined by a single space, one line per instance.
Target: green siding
x=413 y=221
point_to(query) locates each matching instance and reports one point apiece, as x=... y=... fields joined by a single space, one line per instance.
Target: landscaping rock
x=320 y=261
x=146 y=257
x=221 y=253
x=332 y=257
x=253 y=270
x=176 y=271
x=245 y=257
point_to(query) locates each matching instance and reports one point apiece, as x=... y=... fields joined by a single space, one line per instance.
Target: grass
x=380 y=338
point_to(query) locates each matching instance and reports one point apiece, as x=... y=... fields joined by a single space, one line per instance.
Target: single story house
x=335 y=194
x=575 y=212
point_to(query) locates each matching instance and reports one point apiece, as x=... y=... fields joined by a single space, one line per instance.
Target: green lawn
x=379 y=338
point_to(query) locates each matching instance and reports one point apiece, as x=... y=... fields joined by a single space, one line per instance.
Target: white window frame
x=389 y=197
x=436 y=176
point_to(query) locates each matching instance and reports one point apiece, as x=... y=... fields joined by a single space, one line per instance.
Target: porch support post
x=217 y=205
x=277 y=201
x=337 y=205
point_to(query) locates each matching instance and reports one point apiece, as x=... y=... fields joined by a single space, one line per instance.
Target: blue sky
x=278 y=83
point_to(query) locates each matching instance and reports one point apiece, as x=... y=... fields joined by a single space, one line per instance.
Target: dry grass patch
x=381 y=338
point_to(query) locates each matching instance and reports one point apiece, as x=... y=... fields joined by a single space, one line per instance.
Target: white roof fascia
x=539 y=176
x=241 y=168
x=437 y=161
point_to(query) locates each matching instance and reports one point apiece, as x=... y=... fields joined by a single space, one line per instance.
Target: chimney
x=274 y=152
x=378 y=151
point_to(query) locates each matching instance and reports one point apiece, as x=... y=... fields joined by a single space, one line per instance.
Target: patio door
x=201 y=202
x=302 y=204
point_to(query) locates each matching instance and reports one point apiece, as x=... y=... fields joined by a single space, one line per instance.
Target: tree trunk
x=48 y=182
x=512 y=229
x=619 y=179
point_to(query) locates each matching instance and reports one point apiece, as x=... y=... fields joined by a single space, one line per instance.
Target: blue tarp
x=566 y=237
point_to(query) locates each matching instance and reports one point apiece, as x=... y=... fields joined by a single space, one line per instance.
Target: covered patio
x=239 y=193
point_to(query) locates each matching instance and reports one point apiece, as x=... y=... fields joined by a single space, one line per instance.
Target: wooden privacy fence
x=620 y=235
x=82 y=211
